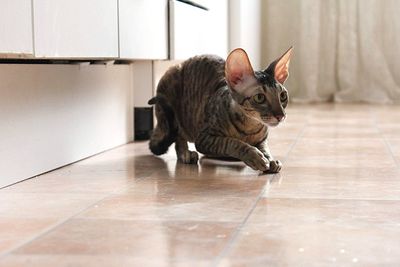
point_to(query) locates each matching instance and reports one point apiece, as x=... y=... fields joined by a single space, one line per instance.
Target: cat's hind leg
x=164 y=134
x=183 y=153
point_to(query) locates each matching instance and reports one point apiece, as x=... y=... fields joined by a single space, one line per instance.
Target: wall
x=245 y=28
x=52 y=115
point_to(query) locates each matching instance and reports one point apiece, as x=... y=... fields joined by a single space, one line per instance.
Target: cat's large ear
x=280 y=67
x=238 y=72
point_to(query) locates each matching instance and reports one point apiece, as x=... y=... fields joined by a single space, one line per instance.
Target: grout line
x=60 y=223
x=232 y=240
x=63 y=221
x=49 y=229
x=384 y=139
x=339 y=199
x=388 y=146
x=227 y=249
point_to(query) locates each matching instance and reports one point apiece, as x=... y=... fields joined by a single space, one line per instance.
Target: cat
x=224 y=107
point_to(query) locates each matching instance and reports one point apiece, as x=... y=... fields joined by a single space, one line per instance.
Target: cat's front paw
x=256 y=160
x=189 y=157
x=275 y=166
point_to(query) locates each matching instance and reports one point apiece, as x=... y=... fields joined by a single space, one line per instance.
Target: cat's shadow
x=213 y=163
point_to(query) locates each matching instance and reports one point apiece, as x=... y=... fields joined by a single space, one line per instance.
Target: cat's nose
x=279 y=117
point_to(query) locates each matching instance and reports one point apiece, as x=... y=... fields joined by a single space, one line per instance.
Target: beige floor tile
x=300 y=232
x=335 y=183
x=395 y=149
x=280 y=147
x=341 y=115
x=139 y=165
x=388 y=115
x=24 y=216
x=335 y=146
x=341 y=153
x=201 y=186
x=45 y=205
x=341 y=121
x=169 y=207
x=286 y=131
x=321 y=130
x=162 y=241
x=86 y=182
x=16 y=231
x=390 y=130
x=65 y=260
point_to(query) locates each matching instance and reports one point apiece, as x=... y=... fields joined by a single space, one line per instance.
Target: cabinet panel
x=53 y=115
x=16 y=28
x=196 y=31
x=217 y=31
x=143 y=28
x=186 y=30
x=75 y=28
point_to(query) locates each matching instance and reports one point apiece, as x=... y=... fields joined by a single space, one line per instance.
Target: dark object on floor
x=143 y=122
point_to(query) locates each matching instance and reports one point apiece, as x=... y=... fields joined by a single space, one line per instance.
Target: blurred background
x=345 y=51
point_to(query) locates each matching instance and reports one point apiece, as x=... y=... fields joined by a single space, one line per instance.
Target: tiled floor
x=336 y=202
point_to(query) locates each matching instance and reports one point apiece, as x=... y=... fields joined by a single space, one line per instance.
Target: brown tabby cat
x=225 y=108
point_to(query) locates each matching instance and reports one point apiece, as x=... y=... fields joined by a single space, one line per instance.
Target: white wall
x=142 y=73
x=245 y=28
x=194 y=31
x=52 y=115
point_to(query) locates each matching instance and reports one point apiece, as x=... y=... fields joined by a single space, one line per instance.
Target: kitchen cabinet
x=76 y=28
x=143 y=29
x=194 y=30
x=16 y=28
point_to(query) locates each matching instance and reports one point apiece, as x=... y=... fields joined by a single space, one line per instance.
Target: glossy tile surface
x=335 y=203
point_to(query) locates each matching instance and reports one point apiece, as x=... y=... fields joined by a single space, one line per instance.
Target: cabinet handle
x=192 y=3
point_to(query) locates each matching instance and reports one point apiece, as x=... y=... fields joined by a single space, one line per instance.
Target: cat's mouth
x=271 y=120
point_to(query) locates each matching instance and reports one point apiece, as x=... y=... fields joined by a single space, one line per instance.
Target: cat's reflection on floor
x=208 y=167
x=181 y=194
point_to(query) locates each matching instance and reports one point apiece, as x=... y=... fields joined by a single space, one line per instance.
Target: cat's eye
x=259 y=98
x=283 y=97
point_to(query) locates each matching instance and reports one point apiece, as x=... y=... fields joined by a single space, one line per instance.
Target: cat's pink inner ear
x=238 y=68
x=281 y=71
x=235 y=78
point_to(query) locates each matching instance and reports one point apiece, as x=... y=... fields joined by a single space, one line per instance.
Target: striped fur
x=223 y=111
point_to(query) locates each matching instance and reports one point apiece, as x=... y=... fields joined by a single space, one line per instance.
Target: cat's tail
x=166 y=130
x=153 y=100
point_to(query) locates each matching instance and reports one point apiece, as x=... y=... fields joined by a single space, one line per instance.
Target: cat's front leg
x=274 y=165
x=183 y=153
x=231 y=147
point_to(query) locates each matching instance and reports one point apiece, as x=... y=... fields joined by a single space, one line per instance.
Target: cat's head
x=259 y=91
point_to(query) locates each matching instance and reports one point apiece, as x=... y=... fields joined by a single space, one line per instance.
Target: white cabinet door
x=16 y=28
x=196 y=31
x=143 y=29
x=186 y=30
x=76 y=28
x=217 y=23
